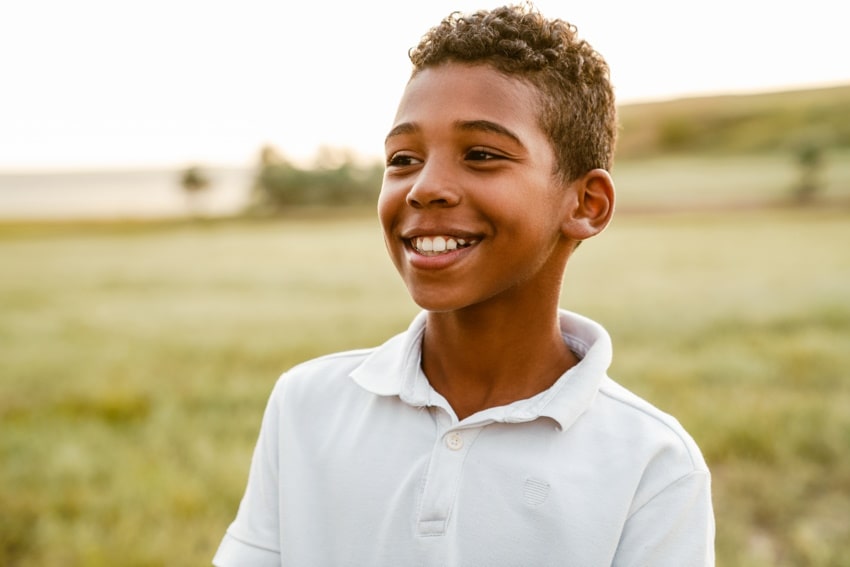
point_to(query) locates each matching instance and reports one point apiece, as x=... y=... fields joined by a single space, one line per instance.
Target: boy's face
x=470 y=206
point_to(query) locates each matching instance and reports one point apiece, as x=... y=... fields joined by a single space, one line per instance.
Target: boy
x=488 y=434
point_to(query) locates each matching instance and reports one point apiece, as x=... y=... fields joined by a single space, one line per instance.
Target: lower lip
x=436 y=262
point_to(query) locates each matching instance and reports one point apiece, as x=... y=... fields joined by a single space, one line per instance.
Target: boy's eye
x=402 y=160
x=481 y=155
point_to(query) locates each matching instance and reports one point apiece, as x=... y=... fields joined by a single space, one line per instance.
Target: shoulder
x=350 y=376
x=329 y=364
x=644 y=425
x=327 y=376
x=650 y=443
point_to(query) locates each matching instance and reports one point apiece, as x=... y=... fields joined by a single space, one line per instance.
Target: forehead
x=454 y=91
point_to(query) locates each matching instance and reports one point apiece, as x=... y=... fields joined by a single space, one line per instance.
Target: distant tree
x=194 y=182
x=334 y=180
x=809 y=162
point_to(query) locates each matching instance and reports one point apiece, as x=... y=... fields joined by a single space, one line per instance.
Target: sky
x=95 y=84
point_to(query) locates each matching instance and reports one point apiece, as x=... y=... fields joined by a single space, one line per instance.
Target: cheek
x=391 y=201
x=383 y=204
x=383 y=214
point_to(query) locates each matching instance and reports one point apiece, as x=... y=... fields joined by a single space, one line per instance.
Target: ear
x=592 y=205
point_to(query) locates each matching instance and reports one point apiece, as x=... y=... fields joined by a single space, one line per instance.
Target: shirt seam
x=684 y=441
x=243 y=541
x=361 y=352
x=684 y=477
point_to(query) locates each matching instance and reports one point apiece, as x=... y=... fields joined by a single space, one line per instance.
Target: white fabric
x=361 y=463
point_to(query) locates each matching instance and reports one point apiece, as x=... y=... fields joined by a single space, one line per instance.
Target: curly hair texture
x=577 y=109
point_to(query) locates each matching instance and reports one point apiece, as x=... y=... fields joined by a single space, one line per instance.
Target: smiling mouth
x=437 y=245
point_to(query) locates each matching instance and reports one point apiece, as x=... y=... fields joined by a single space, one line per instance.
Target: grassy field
x=136 y=359
x=694 y=181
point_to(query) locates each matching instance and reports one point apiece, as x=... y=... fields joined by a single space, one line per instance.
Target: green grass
x=135 y=362
x=689 y=181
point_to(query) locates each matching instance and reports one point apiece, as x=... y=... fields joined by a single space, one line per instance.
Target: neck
x=483 y=357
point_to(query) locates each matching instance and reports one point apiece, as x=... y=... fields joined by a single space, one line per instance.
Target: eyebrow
x=401 y=129
x=465 y=125
x=487 y=126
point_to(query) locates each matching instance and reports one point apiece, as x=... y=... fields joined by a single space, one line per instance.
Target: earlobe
x=592 y=205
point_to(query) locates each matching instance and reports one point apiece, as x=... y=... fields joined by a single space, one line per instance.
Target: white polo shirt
x=361 y=463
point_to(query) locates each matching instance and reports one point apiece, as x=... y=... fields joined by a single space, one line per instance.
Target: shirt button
x=454 y=441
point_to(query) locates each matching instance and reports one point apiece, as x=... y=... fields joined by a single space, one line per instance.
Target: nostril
x=418 y=203
x=431 y=194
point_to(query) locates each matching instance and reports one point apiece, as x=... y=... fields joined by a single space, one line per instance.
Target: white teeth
x=434 y=245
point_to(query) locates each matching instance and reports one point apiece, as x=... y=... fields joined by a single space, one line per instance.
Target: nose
x=435 y=186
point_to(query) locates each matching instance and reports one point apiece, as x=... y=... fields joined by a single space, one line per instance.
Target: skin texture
x=466 y=158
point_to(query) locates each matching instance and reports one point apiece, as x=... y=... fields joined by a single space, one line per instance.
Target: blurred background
x=187 y=197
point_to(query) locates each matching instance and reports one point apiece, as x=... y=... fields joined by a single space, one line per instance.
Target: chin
x=436 y=303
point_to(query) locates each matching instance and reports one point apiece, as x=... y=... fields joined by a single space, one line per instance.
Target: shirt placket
x=445 y=472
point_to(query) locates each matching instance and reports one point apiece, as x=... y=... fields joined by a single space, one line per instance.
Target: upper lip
x=416 y=232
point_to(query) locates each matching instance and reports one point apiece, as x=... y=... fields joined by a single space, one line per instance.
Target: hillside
x=737 y=124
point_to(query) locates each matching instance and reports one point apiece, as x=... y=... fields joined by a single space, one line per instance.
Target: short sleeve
x=233 y=552
x=673 y=529
x=254 y=536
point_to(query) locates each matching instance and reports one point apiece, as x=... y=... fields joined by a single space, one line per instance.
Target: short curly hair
x=577 y=109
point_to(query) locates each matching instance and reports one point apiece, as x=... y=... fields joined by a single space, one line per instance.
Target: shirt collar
x=394 y=369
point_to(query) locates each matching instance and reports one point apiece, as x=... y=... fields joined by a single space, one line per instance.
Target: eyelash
x=403 y=160
x=482 y=155
x=400 y=160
